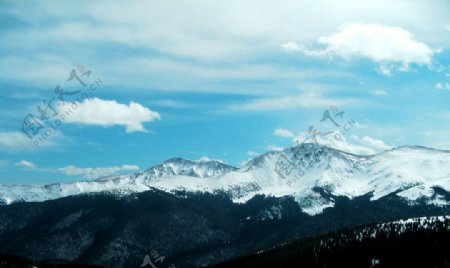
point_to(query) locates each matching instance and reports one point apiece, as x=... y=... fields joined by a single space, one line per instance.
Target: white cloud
x=15 y=141
x=379 y=92
x=97 y=172
x=18 y=141
x=342 y=144
x=385 y=69
x=207 y=159
x=172 y=104
x=294 y=47
x=192 y=27
x=109 y=113
x=309 y=100
x=441 y=86
x=230 y=32
x=284 y=133
x=392 y=47
x=252 y=153
x=275 y=148
x=361 y=146
x=38 y=67
x=376 y=144
x=204 y=159
x=25 y=163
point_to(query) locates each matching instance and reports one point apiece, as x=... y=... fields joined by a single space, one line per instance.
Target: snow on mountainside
x=313 y=174
x=183 y=167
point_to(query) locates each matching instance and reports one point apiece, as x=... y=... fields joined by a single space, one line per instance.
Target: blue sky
x=224 y=80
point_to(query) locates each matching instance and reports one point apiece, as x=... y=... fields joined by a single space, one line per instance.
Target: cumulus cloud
x=284 y=133
x=109 y=113
x=337 y=140
x=360 y=146
x=392 y=47
x=97 y=172
x=25 y=163
x=376 y=144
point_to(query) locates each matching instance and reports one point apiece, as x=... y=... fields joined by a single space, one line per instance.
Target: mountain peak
x=411 y=172
x=178 y=166
x=180 y=160
x=177 y=160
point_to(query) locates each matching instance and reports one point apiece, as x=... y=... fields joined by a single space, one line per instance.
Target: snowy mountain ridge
x=183 y=167
x=313 y=174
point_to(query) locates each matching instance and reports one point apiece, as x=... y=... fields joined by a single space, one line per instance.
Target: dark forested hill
x=419 y=242
x=189 y=230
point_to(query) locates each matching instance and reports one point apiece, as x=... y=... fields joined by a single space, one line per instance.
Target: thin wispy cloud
x=442 y=86
x=275 y=148
x=26 y=164
x=17 y=141
x=308 y=100
x=95 y=172
x=284 y=133
x=379 y=92
x=172 y=104
x=252 y=153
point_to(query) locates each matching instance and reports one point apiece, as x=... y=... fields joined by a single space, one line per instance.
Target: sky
x=92 y=88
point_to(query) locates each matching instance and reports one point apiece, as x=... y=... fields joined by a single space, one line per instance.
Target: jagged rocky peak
x=184 y=167
x=300 y=156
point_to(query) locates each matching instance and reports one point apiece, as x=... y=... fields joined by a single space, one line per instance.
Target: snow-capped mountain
x=184 y=167
x=314 y=175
